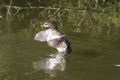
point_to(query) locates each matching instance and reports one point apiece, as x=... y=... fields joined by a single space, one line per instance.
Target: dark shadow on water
x=52 y=65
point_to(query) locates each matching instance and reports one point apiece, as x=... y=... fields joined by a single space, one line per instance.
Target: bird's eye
x=46 y=24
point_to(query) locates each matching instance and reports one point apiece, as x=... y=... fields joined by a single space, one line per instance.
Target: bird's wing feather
x=42 y=35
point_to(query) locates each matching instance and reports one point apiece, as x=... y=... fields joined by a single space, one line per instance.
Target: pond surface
x=23 y=58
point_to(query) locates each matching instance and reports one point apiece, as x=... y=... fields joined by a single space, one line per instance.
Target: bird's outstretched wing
x=42 y=35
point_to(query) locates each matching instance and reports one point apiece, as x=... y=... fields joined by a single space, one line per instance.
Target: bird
x=54 y=38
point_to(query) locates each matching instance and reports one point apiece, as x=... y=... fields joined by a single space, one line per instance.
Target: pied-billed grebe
x=54 y=37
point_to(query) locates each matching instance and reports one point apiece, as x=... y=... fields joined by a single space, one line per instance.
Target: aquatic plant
x=92 y=17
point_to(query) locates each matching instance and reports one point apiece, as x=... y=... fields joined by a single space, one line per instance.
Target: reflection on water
x=55 y=62
x=22 y=58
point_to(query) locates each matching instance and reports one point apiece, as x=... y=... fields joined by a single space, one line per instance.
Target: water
x=23 y=58
x=94 y=37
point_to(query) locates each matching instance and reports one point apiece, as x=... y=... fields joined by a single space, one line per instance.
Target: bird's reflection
x=51 y=65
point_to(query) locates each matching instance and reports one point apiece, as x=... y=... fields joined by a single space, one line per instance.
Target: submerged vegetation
x=96 y=18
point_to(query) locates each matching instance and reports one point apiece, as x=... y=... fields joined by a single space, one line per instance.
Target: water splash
x=117 y=65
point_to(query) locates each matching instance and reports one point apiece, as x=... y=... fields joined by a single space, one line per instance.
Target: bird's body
x=54 y=38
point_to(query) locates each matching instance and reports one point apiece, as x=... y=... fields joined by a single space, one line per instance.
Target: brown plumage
x=54 y=37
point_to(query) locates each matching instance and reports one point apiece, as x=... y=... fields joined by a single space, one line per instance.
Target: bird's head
x=50 y=25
